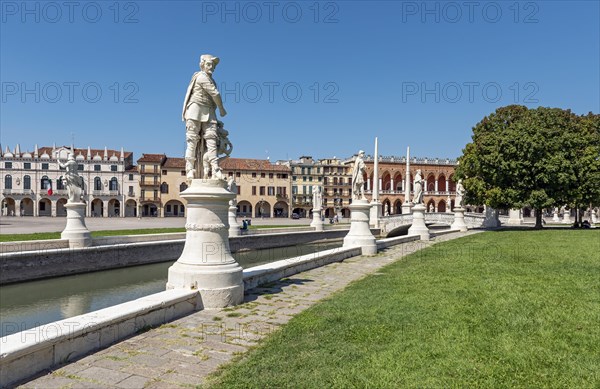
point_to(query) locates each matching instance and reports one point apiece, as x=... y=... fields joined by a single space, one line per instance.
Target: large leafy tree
x=531 y=157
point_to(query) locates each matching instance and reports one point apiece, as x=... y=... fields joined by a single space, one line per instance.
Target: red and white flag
x=49 y=187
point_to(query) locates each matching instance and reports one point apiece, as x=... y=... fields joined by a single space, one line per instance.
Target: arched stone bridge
x=389 y=224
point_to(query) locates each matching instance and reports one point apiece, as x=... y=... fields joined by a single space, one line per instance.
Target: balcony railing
x=150 y=198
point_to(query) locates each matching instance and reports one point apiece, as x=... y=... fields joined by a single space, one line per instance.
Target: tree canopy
x=542 y=157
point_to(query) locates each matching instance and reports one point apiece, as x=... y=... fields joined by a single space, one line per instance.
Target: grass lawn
x=496 y=309
x=96 y=234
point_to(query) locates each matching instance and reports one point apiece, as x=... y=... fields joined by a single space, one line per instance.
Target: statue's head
x=208 y=63
x=71 y=157
x=361 y=153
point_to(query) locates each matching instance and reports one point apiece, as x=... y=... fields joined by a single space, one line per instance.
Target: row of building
x=118 y=187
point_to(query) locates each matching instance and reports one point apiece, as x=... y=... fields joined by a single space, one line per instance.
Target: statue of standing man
x=358 y=189
x=418 y=184
x=460 y=192
x=72 y=180
x=203 y=130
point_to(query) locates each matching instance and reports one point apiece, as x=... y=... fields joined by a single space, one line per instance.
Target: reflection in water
x=30 y=304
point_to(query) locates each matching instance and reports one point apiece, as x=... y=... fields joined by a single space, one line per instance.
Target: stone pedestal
x=317 y=222
x=567 y=217
x=206 y=263
x=514 y=217
x=76 y=231
x=360 y=233
x=491 y=218
x=459 y=220
x=234 y=227
x=407 y=208
x=375 y=214
x=594 y=217
x=555 y=217
x=418 y=225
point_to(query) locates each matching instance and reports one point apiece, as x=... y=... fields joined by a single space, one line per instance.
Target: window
x=304 y=178
x=113 y=168
x=27 y=182
x=45 y=166
x=262 y=191
x=131 y=177
x=113 y=184
x=230 y=174
x=44 y=182
x=164 y=188
x=262 y=175
x=284 y=176
x=253 y=175
x=80 y=167
x=155 y=194
x=168 y=208
x=183 y=187
x=320 y=178
x=293 y=178
x=43 y=206
x=294 y=189
x=27 y=165
x=130 y=191
x=97 y=168
x=271 y=175
x=303 y=171
x=8 y=165
x=164 y=172
x=310 y=178
x=237 y=174
x=183 y=173
x=97 y=183
x=271 y=190
x=239 y=190
x=143 y=193
x=254 y=191
x=60 y=185
x=8 y=181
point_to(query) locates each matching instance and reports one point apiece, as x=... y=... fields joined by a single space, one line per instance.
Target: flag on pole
x=49 y=187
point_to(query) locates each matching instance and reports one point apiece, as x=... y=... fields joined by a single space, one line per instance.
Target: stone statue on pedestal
x=232 y=187
x=460 y=192
x=72 y=180
x=317 y=197
x=203 y=131
x=418 y=183
x=358 y=189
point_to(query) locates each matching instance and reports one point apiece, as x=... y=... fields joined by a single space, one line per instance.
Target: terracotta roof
x=252 y=164
x=152 y=158
x=175 y=163
x=84 y=152
x=132 y=169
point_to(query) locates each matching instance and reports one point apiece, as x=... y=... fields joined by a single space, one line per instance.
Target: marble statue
x=232 y=187
x=430 y=208
x=72 y=180
x=358 y=189
x=460 y=192
x=418 y=183
x=317 y=197
x=203 y=130
x=387 y=209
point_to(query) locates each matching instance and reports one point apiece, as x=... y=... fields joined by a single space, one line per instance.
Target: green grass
x=96 y=234
x=493 y=310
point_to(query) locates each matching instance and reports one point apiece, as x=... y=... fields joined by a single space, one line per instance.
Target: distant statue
x=317 y=198
x=203 y=130
x=387 y=209
x=358 y=189
x=72 y=180
x=460 y=192
x=418 y=183
x=430 y=208
x=232 y=187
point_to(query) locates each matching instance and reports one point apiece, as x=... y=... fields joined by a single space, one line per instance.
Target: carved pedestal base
x=317 y=223
x=514 y=217
x=407 y=208
x=594 y=217
x=234 y=227
x=76 y=231
x=491 y=218
x=206 y=263
x=375 y=214
x=418 y=224
x=567 y=217
x=555 y=217
x=360 y=233
x=459 y=220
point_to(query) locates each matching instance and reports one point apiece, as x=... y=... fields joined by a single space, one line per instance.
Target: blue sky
x=317 y=78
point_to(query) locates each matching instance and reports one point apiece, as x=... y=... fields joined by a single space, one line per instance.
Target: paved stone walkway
x=183 y=352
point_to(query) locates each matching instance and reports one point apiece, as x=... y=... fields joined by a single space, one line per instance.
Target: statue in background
x=460 y=192
x=203 y=131
x=418 y=183
x=317 y=197
x=358 y=189
x=72 y=180
x=232 y=187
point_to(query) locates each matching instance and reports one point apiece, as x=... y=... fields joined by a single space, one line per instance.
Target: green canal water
x=30 y=304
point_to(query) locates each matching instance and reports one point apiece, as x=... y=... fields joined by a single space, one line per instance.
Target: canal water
x=30 y=304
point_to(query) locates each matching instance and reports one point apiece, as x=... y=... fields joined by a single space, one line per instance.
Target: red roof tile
x=252 y=164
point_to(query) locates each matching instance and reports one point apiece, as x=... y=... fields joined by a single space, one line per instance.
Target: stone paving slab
x=183 y=352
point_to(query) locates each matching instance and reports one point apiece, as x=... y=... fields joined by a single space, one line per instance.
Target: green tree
x=531 y=157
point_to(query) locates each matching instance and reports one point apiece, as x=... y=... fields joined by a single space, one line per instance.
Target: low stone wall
x=32 y=265
x=32 y=245
x=387 y=242
x=25 y=354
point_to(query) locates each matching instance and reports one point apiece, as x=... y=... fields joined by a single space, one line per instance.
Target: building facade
x=28 y=176
x=306 y=174
x=337 y=187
